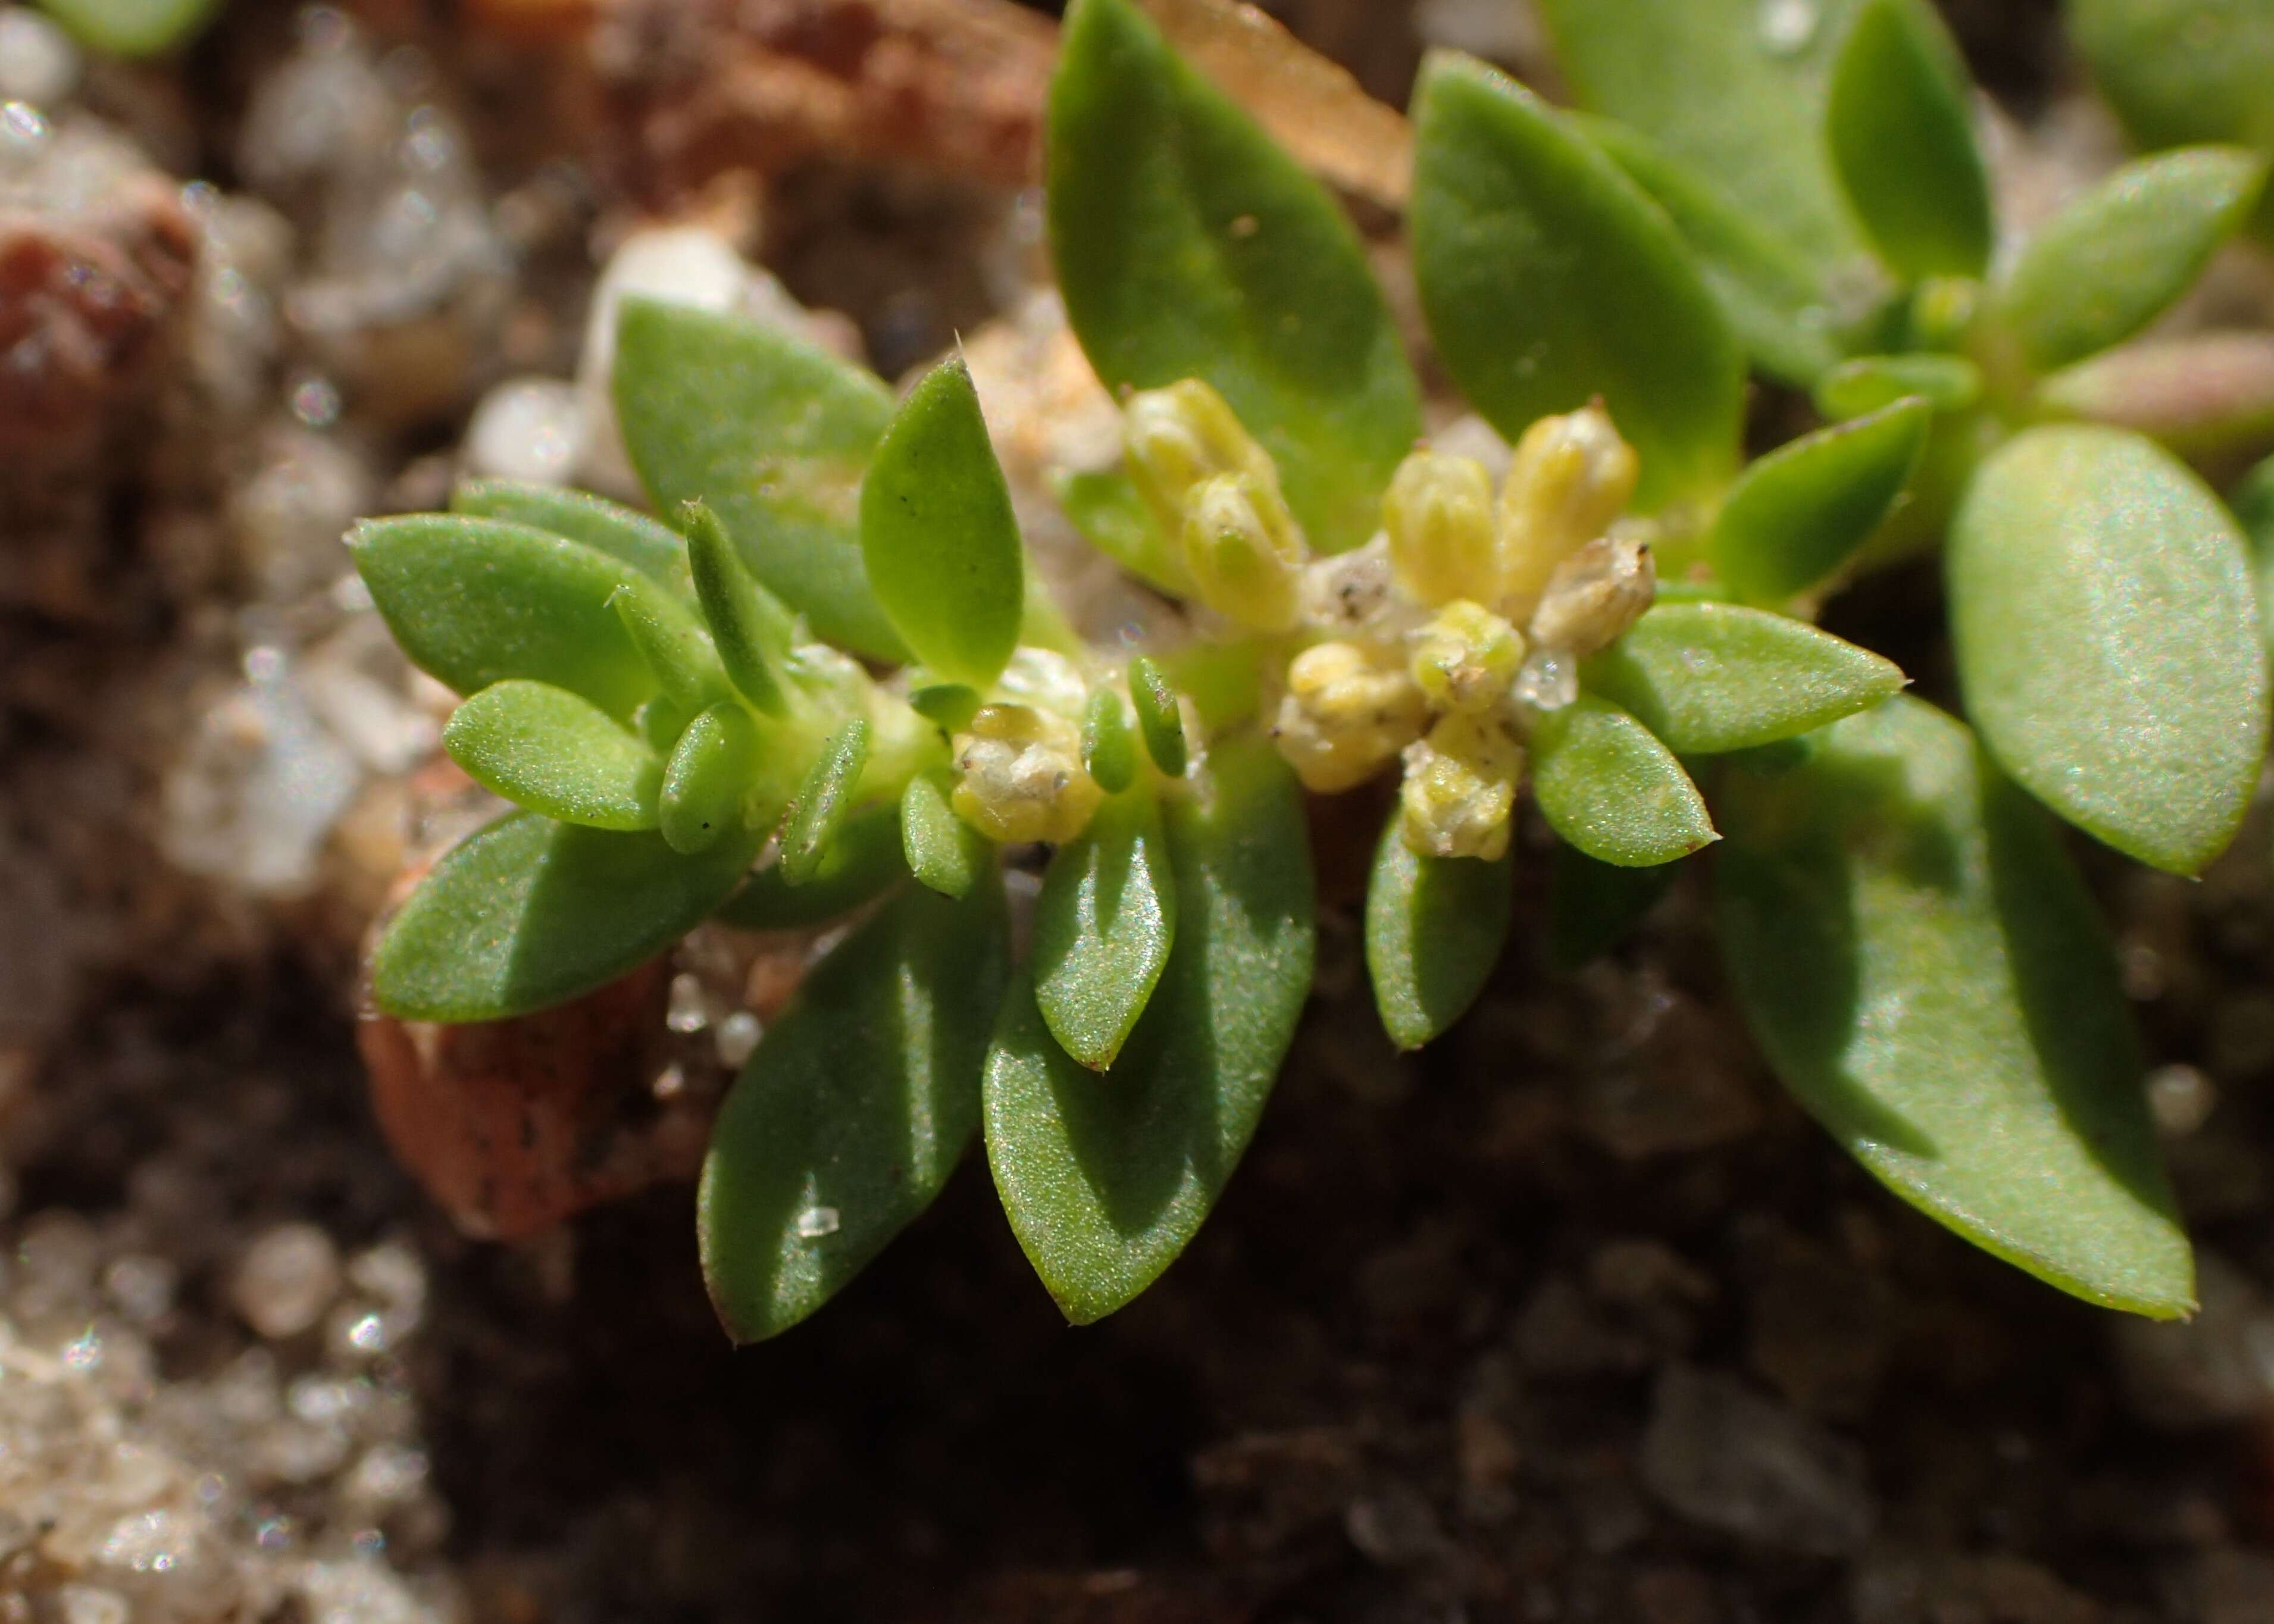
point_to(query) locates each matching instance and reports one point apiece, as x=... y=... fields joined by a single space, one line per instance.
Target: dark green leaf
x=1109 y=744
x=1549 y=278
x=1901 y=138
x=1709 y=677
x=1768 y=291
x=528 y=912
x=1106 y=1178
x=750 y=628
x=936 y=532
x=1800 y=513
x=2102 y=616
x=132 y=27
x=1925 y=972
x=1102 y=929
x=545 y=749
x=2114 y=260
x=855 y=867
x=647 y=546
x=1159 y=716
x=475 y=601
x=1591 y=905
x=823 y=802
x=1113 y=518
x=1869 y=383
x=941 y=849
x=774 y=435
x=1607 y=787
x=1734 y=88
x=707 y=785
x=846 y=1122
x=1188 y=245
x=1435 y=927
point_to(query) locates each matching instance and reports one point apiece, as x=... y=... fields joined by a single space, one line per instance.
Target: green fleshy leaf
x=707 y=784
x=2207 y=396
x=855 y=868
x=612 y=527
x=2253 y=502
x=1109 y=743
x=1607 y=787
x=948 y=705
x=1731 y=87
x=2107 y=637
x=672 y=644
x=1902 y=140
x=2114 y=260
x=1711 y=678
x=1801 y=512
x=1188 y=245
x=941 y=849
x=477 y=601
x=1591 y=905
x=132 y=27
x=553 y=752
x=774 y=435
x=938 y=534
x=1102 y=929
x=1434 y=928
x=749 y=626
x=1926 y=974
x=1105 y=1179
x=823 y=802
x=1548 y=278
x=846 y=1122
x=1159 y=718
x=2183 y=71
x=528 y=914
x=1769 y=293
x=1871 y=383
x=1113 y=518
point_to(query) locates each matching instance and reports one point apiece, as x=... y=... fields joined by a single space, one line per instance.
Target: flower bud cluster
x=1214 y=488
x=1019 y=776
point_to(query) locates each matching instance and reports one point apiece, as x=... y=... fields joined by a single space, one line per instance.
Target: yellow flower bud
x=1460 y=793
x=1244 y=550
x=1439 y=514
x=1571 y=476
x=1347 y=713
x=1175 y=438
x=1465 y=658
x=1019 y=776
x=1594 y=595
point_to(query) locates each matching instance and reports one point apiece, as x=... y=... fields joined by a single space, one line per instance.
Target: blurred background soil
x=1570 y=1317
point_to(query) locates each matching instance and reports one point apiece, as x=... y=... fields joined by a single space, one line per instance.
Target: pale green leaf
x=1113 y=518
x=1901 y=138
x=706 y=786
x=1610 y=788
x=1871 y=383
x=941 y=849
x=823 y=802
x=1800 y=513
x=132 y=27
x=1102 y=929
x=750 y=628
x=553 y=752
x=649 y=547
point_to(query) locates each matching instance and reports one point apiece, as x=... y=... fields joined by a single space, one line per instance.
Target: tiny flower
x=1594 y=595
x=1348 y=595
x=1571 y=476
x=1175 y=438
x=1019 y=776
x=1244 y=550
x=1466 y=658
x=1438 y=516
x=1348 y=711
x=1459 y=792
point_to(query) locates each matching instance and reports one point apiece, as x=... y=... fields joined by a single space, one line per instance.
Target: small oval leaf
x=1868 y=383
x=610 y=527
x=941 y=849
x=2108 y=642
x=1434 y=928
x=823 y=802
x=672 y=644
x=477 y=601
x=1709 y=677
x=2207 y=396
x=1607 y=787
x=936 y=532
x=528 y=912
x=1105 y=1179
x=133 y=27
x=1188 y=245
x=553 y=752
x=856 y=867
x=773 y=434
x=2114 y=260
x=707 y=784
x=1113 y=518
x=847 y=1120
x=1102 y=929
x=1159 y=718
x=1798 y=514
x=1902 y=143
x=750 y=628
x=1918 y=960
x=1548 y=278
x=1109 y=743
